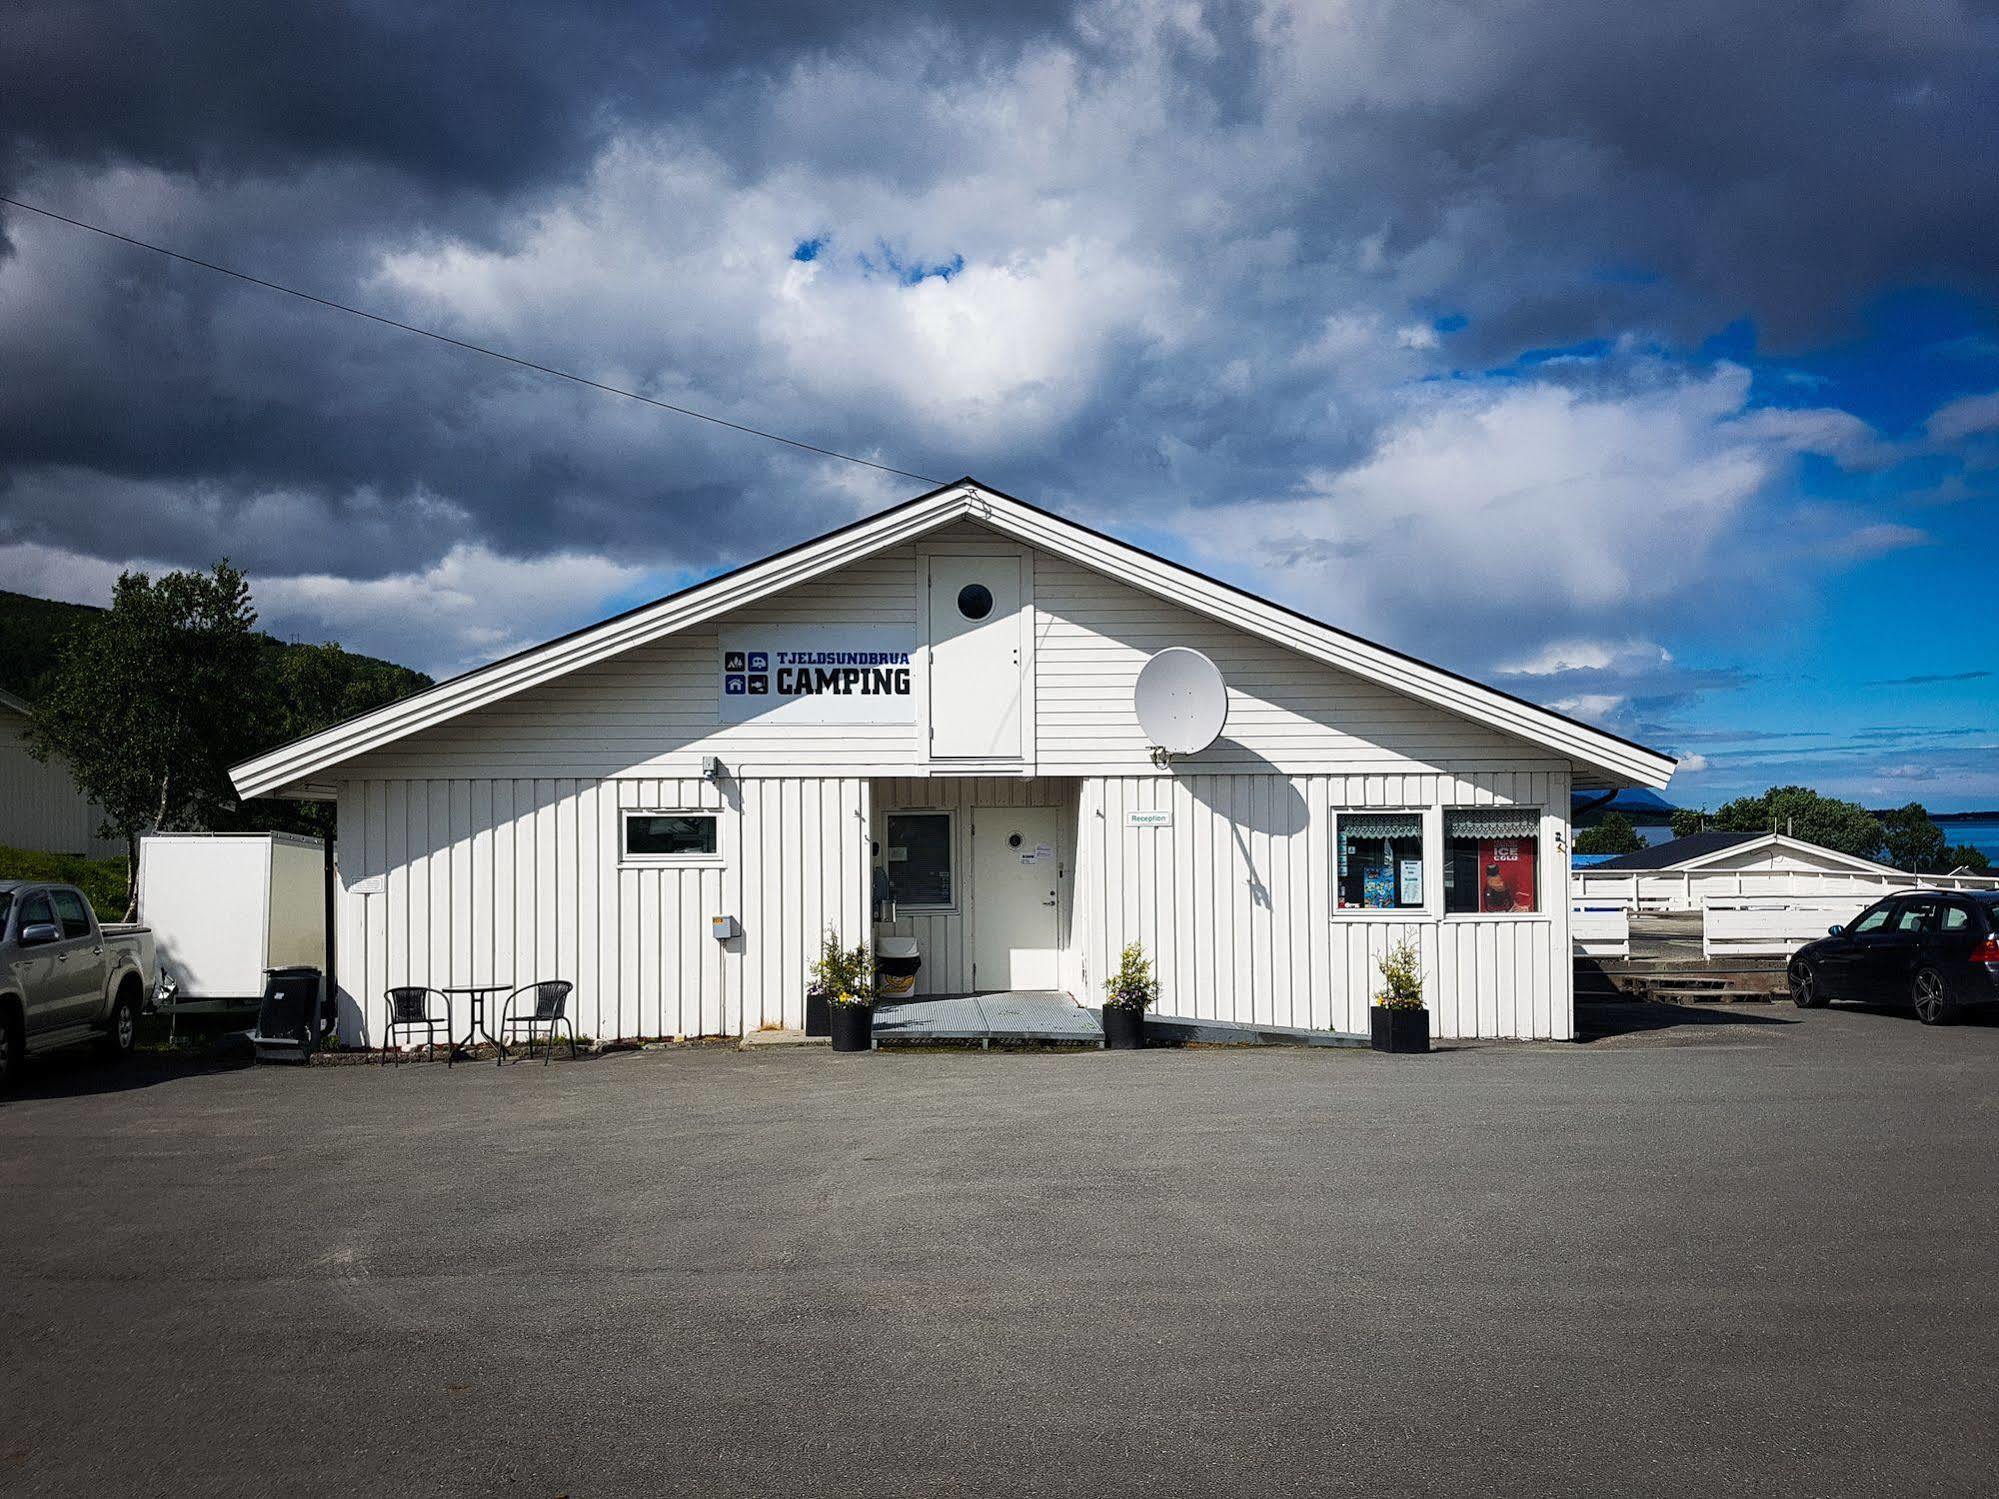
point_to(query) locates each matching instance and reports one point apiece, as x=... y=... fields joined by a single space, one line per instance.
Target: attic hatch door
x=975 y=648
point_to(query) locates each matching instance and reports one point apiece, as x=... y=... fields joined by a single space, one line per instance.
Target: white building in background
x=1713 y=865
x=40 y=806
x=938 y=700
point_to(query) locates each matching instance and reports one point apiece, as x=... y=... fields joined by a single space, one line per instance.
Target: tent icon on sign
x=732 y=661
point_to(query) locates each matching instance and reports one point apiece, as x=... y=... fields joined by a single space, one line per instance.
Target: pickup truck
x=63 y=978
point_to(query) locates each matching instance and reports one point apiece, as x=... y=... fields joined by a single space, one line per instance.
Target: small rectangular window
x=1381 y=865
x=670 y=835
x=1491 y=859
x=917 y=858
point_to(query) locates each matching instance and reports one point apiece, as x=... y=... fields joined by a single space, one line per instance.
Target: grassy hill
x=32 y=631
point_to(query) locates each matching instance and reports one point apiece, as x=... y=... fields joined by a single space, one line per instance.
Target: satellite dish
x=1181 y=701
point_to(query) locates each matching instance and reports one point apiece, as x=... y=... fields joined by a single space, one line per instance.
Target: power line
x=459 y=343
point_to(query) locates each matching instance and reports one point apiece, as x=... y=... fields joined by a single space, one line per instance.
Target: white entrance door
x=975 y=657
x=1015 y=885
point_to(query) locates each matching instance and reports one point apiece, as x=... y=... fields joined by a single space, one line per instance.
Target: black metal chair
x=551 y=1010
x=409 y=1009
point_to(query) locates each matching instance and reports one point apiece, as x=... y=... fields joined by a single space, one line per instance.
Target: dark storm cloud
x=491 y=98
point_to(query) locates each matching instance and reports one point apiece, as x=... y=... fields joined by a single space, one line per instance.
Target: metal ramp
x=1012 y=1015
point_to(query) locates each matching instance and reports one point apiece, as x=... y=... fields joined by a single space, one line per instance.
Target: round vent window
x=975 y=601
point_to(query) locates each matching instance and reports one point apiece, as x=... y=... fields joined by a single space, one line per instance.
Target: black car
x=1937 y=950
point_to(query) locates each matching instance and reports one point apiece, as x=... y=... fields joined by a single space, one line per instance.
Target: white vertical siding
x=40 y=807
x=655 y=709
x=508 y=881
x=1234 y=904
x=1286 y=713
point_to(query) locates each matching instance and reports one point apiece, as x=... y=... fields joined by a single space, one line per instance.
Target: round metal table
x=475 y=1024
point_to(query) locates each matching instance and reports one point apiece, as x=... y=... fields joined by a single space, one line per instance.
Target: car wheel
x=124 y=1029
x=1807 y=992
x=1931 y=994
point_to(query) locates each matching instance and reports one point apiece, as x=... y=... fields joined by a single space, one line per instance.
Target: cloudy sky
x=1643 y=361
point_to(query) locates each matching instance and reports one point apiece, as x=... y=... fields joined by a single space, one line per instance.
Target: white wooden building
x=40 y=806
x=1687 y=873
x=940 y=698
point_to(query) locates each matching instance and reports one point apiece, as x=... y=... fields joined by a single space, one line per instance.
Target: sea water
x=1982 y=833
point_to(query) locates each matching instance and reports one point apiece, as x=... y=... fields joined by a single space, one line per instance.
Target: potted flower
x=850 y=999
x=828 y=976
x=1131 y=991
x=1398 y=1020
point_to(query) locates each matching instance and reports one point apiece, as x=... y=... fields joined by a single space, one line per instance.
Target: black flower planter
x=817 y=1022
x=853 y=1027
x=1399 y=1030
x=1124 y=1028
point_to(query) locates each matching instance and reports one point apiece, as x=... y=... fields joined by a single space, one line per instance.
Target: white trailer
x=226 y=907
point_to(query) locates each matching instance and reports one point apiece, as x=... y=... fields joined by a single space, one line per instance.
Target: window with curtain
x=1490 y=861
x=1380 y=861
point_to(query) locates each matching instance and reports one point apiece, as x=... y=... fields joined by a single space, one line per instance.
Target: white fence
x=1600 y=931
x=1769 y=927
x=1691 y=889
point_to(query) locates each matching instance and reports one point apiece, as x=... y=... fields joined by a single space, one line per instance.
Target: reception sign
x=817 y=674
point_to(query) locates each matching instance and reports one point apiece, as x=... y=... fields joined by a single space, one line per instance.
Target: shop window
x=1381 y=865
x=917 y=856
x=670 y=835
x=1491 y=861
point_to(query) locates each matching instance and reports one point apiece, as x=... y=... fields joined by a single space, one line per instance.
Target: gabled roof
x=1697 y=850
x=1616 y=761
x=1676 y=851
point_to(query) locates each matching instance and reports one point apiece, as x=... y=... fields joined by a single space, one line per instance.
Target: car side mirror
x=1834 y=930
x=36 y=934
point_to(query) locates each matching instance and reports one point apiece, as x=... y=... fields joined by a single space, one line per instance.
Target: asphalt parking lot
x=1748 y=1252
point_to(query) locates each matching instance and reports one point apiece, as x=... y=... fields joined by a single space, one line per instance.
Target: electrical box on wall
x=722 y=928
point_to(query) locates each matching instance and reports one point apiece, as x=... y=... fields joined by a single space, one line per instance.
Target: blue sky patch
x=885 y=261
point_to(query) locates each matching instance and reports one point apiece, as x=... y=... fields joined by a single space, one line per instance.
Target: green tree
x=1964 y=856
x=1801 y=812
x=147 y=704
x=299 y=690
x=1913 y=841
x=1614 y=835
x=1689 y=820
